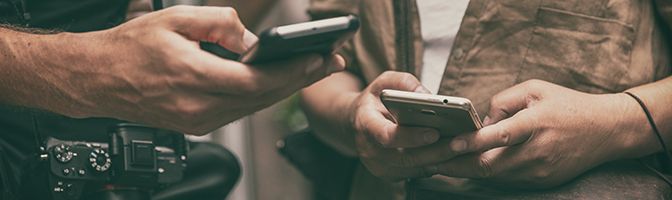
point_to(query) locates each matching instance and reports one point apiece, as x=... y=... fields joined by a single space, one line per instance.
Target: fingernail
x=430 y=137
x=458 y=145
x=249 y=39
x=314 y=64
x=486 y=121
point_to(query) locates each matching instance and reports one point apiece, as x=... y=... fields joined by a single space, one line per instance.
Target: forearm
x=327 y=104
x=30 y=65
x=657 y=97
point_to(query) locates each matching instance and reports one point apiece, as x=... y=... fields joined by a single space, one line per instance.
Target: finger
x=397 y=81
x=230 y=77
x=515 y=130
x=389 y=135
x=296 y=81
x=510 y=101
x=432 y=154
x=219 y=25
x=406 y=173
x=475 y=165
x=508 y=132
x=302 y=71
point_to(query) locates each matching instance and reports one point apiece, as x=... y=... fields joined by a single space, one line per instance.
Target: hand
x=151 y=70
x=378 y=140
x=541 y=135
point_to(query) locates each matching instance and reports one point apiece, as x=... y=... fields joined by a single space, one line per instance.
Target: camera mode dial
x=63 y=153
x=100 y=160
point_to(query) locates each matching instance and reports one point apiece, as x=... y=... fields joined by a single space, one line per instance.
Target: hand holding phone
x=449 y=115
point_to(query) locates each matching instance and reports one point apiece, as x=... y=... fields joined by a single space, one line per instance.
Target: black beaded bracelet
x=655 y=131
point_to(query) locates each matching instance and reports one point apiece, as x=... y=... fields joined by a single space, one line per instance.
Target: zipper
x=404 y=36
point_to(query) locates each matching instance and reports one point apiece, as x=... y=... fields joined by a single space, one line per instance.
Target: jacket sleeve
x=664 y=8
x=320 y=9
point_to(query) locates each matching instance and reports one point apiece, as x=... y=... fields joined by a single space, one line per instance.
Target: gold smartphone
x=449 y=115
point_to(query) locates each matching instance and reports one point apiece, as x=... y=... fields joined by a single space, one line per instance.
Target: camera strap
x=40 y=143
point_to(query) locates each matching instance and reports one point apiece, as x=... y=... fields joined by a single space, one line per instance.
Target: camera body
x=135 y=158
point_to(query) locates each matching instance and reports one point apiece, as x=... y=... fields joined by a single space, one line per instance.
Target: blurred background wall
x=266 y=175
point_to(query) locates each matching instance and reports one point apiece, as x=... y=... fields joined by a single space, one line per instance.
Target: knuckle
x=384 y=140
x=179 y=11
x=381 y=137
x=229 y=12
x=496 y=100
x=251 y=88
x=405 y=76
x=541 y=176
x=485 y=168
x=546 y=158
x=503 y=136
x=535 y=86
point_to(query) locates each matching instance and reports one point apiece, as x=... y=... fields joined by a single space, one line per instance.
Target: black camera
x=135 y=161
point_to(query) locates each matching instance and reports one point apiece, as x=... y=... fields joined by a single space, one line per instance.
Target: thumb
x=219 y=25
x=397 y=81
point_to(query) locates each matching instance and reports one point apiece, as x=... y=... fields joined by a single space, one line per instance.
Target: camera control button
x=62 y=153
x=100 y=160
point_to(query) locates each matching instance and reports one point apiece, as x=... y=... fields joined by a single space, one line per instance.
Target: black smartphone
x=449 y=115
x=283 y=42
x=321 y=37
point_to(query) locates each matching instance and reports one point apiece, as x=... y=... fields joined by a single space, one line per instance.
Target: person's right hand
x=151 y=70
x=380 y=142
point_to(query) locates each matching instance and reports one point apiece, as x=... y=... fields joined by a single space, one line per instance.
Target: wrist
x=346 y=106
x=636 y=137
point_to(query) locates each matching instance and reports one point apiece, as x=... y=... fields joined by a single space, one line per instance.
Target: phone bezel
x=344 y=26
x=423 y=99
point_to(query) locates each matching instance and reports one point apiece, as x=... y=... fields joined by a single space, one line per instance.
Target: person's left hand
x=541 y=135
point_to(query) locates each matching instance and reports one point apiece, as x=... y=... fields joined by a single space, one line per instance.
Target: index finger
x=219 y=25
x=230 y=77
x=508 y=132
